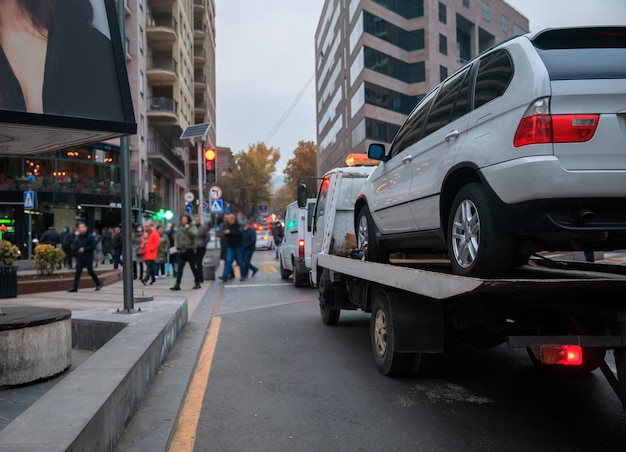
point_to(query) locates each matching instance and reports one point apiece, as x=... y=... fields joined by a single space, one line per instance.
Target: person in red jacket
x=150 y=250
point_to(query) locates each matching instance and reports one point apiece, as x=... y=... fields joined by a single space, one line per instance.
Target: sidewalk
x=89 y=405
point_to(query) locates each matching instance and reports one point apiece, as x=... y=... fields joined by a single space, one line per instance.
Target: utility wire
x=284 y=117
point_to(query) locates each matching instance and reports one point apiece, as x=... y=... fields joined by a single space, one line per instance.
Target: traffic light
x=209 y=159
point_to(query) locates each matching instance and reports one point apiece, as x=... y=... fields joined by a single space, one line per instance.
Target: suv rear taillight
x=539 y=126
x=301 y=248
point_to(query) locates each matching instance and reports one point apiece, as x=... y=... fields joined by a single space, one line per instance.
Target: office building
x=375 y=59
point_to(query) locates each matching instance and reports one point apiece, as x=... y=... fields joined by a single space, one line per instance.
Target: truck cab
x=333 y=220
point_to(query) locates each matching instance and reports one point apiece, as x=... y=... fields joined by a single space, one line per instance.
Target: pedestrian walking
x=279 y=233
x=233 y=234
x=138 y=242
x=150 y=251
x=51 y=237
x=85 y=246
x=117 y=244
x=97 y=254
x=249 y=245
x=66 y=245
x=201 y=241
x=107 y=246
x=162 y=253
x=186 y=246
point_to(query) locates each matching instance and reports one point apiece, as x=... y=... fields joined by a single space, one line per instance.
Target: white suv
x=521 y=150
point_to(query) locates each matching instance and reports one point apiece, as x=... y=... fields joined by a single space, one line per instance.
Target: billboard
x=63 y=79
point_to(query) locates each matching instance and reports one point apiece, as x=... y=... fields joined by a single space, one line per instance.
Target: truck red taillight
x=568 y=355
x=539 y=126
x=301 y=248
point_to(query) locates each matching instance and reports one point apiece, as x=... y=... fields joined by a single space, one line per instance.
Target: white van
x=295 y=250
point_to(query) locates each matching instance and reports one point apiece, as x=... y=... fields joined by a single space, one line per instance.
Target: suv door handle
x=407 y=159
x=452 y=134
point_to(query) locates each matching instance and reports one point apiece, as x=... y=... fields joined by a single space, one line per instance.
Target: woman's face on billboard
x=25 y=48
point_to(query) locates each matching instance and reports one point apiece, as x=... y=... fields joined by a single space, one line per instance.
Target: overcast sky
x=265 y=61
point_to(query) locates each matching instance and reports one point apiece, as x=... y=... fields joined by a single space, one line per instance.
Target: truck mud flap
x=418 y=323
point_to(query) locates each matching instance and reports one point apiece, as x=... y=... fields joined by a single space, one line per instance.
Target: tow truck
x=566 y=314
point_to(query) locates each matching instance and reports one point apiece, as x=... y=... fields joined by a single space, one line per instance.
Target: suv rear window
x=583 y=53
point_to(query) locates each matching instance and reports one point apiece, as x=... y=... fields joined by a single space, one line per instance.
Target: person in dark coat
x=85 y=246
x=279 y=233
x=249 y=245
x=51 y=237
x=234 y=240
x=117 y=244
x=107 y=246
x=66 y=244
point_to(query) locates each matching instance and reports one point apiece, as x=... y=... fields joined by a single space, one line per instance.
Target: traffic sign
x=215 y=192
x=189 y=197
x=205 y=206
x=263 y=209
x=188 y=208
x=216 y=206
x=29 y=200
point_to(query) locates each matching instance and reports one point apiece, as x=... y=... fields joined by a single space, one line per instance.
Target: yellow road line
x=267 y=269
x=186 y=425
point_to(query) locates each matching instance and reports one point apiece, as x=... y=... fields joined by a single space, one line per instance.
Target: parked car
x=264 y=240
x=521 y=150
x=295 y=250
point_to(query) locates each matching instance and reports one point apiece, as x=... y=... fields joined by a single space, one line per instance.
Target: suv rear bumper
x=543 y=177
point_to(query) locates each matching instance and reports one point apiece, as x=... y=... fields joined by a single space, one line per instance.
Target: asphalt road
x=272 y=376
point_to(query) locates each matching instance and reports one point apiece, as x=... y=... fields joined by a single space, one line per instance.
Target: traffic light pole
x=200 y=183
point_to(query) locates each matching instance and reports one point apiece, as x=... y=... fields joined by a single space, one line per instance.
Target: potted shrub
x=48 y=258
x=8 y=272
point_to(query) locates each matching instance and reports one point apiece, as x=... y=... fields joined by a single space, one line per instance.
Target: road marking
x=269 y=270
x=186 y=426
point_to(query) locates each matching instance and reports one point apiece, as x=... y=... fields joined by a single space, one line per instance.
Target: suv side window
x=451 y=101
x=411 y=131
x=494 y=75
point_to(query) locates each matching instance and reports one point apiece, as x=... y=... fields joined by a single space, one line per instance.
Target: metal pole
x=127 y=246
x=200 y=184
x=30 y=233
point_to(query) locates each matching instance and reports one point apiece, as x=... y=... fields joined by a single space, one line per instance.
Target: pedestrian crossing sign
x=216 y=206
x=29 y=200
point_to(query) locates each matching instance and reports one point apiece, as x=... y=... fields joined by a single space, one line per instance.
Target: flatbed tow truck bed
x=544 y=304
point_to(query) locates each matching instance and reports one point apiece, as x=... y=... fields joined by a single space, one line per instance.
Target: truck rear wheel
x=330 y=315
x=299 y=279
x=384 y=341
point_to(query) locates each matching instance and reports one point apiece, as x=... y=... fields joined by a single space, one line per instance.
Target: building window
x=443 y=44
x=141 y=83
x=505 y=24
x=486 y=11
x=442 y=13
x=141 y=40
x=466 y=3
x=392 y=67
x=407 y=9
x=142 y=127
x=517 y=30
x=407 y=40
x=443 y=73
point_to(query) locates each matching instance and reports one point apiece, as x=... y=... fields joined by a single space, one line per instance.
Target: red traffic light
x=209 y=154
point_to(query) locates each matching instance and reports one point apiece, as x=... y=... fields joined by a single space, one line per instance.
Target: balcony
x=199 y=6
x=163 y=157
x=199 y=82
x=199 y=57
x=162 y=108
x=199 y=29
x=162 y=29
x=199 y=107
x=162 y=70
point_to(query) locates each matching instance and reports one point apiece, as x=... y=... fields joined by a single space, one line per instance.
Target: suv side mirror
x=302 y=195
x=376 y=151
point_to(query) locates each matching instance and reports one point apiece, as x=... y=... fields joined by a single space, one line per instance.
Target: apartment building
x=171 y=70
x=375 y=59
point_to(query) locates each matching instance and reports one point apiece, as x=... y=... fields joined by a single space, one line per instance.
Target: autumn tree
x=282 y=198
x=302 y=164
x=249 y=183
